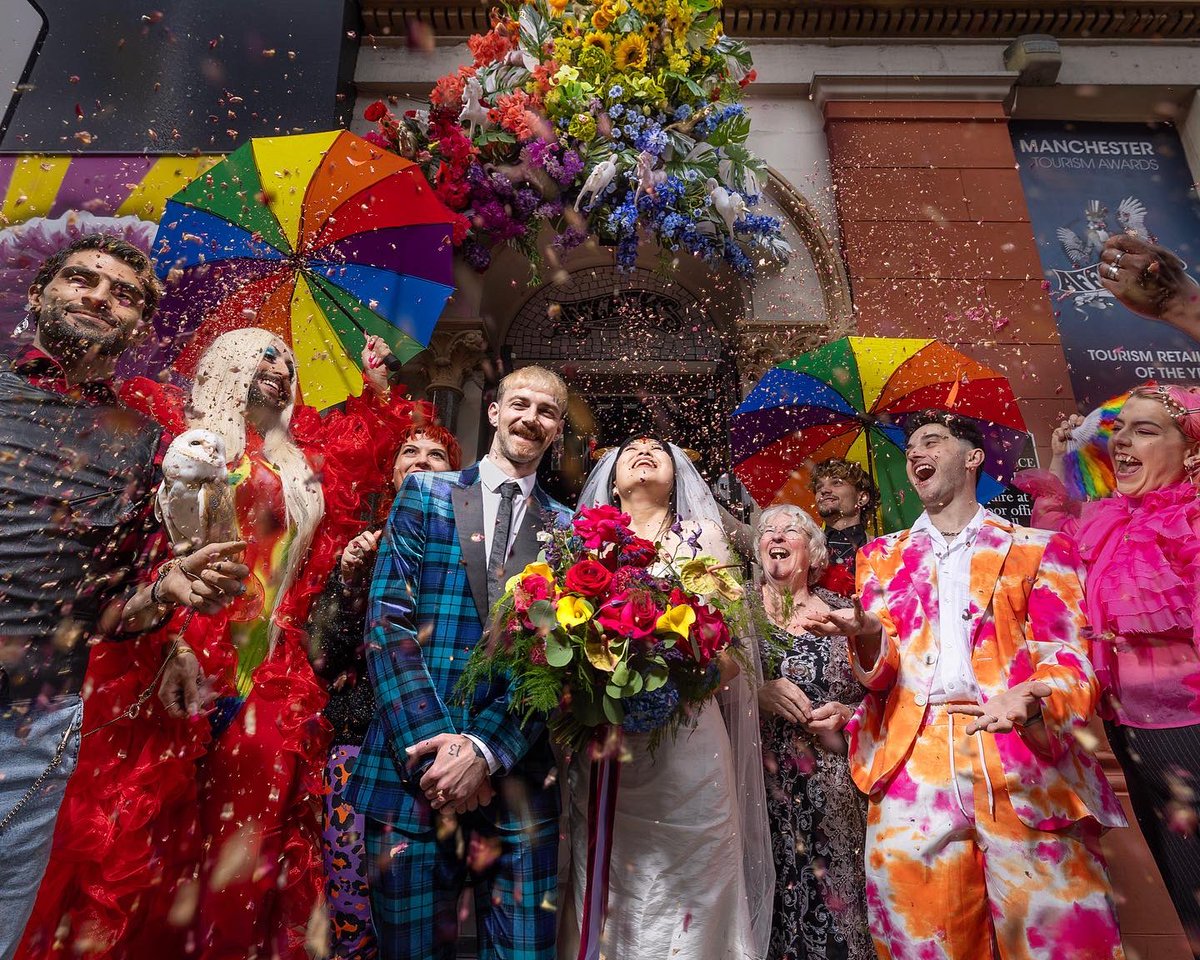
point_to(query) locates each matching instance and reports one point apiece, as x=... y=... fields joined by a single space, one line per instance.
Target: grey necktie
x=499 y=554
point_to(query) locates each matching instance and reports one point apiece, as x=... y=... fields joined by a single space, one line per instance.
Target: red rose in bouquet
x=589 y=578
x=709 y=634
x=638 y=553
x=598 y=526
x=631 y=614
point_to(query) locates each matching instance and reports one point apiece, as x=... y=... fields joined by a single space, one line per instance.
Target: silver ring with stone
x=1117 y=259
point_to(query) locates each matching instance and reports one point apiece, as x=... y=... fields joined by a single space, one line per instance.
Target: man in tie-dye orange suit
x=985 y=809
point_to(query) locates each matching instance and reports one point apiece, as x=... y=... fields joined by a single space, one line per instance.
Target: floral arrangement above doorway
x=619 y=119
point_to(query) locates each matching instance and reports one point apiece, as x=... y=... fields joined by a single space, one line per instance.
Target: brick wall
x=937 y=240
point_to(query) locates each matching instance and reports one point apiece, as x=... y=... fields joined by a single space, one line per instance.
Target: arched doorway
x=640 y=352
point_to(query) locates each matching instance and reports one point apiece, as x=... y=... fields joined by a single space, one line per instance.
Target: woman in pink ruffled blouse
x=1141 y=551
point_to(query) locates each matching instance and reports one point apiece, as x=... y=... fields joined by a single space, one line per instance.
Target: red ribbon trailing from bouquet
x=602 y=809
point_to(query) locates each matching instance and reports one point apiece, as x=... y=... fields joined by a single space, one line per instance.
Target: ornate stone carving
x=450 y=358
x=760 y=346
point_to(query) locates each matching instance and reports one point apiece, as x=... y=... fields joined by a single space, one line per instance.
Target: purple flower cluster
x=563 y=165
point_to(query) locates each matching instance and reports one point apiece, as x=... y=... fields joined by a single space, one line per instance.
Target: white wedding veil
x=738 y=699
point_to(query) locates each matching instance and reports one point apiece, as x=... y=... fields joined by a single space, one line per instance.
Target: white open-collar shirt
x=954 y=677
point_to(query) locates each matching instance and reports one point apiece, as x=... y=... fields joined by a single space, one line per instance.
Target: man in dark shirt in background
x=78 y=541
x=845 y=498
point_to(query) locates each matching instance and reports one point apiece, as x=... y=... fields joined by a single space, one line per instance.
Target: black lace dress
x=818 y=817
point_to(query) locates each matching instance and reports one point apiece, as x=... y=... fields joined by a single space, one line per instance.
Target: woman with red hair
x=337 y=629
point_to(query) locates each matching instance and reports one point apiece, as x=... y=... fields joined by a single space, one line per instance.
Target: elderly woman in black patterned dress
x=818 y=817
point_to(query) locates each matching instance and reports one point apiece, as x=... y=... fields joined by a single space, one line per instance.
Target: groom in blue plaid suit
x=460 y=793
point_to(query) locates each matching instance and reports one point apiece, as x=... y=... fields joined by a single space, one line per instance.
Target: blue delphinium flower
x=616 y=110
x=683 y=111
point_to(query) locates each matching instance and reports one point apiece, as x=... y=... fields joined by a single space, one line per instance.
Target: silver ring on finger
x=1113 y=271
x=1117 y=259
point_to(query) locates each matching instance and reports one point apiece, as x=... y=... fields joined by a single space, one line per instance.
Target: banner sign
x=1083 y=183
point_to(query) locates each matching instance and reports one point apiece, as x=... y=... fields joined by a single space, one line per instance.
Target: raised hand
x=1015 y=707
x=851 y=621
x=208 y=579
x=1062 y=433
x=357 y=553
x=374 y=369
x=1150 y=280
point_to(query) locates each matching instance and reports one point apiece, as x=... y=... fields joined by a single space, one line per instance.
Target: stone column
x=451 y=357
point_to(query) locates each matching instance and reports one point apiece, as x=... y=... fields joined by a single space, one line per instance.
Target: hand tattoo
x=454 y=749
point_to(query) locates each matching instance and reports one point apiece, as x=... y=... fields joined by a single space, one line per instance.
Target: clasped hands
x=784 y=699
x=457 y=780
x=205 y=581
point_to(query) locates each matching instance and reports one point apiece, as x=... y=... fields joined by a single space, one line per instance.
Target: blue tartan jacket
x=428 y=607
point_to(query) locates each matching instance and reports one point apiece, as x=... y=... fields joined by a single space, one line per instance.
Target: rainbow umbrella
x=850 y=399
x=323 y=238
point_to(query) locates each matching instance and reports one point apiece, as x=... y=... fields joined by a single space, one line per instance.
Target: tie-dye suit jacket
x=1026 y=623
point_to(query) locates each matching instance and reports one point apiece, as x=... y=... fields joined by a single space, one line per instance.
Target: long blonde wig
x=220 y=395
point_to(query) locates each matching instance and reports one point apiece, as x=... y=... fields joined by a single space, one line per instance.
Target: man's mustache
x=529 y=433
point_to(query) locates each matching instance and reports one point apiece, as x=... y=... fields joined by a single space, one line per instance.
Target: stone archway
x=739 y=330
x=641 y=351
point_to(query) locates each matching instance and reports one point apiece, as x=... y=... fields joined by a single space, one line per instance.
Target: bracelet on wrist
x=156 y=588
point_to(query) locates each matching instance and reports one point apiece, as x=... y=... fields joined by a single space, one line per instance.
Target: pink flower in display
x=630 y=614
x=598 y=526
x=530 y=590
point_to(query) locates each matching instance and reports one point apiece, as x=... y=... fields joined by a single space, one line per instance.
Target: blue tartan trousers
x=417 y=879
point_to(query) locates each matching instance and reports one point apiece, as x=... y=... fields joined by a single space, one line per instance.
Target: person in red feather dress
x=193 y=828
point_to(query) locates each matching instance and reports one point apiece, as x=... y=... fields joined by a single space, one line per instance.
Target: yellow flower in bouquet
x=604 y=16
x=632 y=53
x=600 y=653
x=598 y=38
x=677 y=619
x=556 y=7
x=706 y=575
x=647 y=8
x=572 y=611
x=679 y=19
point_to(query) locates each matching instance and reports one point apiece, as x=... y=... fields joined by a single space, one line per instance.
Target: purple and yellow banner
x=46 y=201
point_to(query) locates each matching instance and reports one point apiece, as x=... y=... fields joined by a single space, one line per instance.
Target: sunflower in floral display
x=632 y=53
x=598 y=39
x=626 y=112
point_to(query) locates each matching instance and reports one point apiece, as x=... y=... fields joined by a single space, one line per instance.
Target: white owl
x=194 y=500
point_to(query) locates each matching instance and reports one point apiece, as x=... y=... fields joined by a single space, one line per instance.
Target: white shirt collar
x=968 y=532
x=492 y=477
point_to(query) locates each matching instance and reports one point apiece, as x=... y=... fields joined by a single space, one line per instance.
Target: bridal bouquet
x=620 y=119
x=590 y=635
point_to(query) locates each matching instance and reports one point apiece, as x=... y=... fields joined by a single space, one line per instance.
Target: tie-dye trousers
x=953 y=873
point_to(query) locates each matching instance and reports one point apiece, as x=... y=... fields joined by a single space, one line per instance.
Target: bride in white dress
x=691 y=874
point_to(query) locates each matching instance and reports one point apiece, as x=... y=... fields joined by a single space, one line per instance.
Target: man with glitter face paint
x=984 y=809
